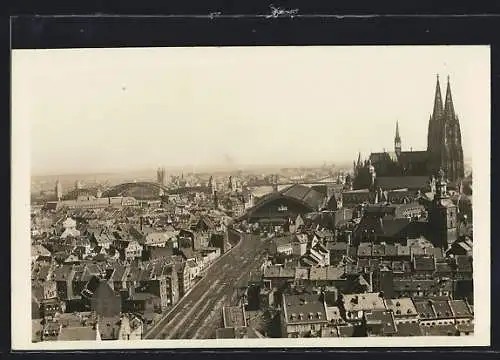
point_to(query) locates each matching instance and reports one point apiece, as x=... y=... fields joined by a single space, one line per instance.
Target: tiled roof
x=304 y=308
x=366 y=301
x=460 y=308
x=401 y=307
x=325 y=273
x=425 y=309
x=380 y=322
x=442 y=309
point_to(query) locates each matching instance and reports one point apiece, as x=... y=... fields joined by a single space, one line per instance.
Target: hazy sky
x=110 y=109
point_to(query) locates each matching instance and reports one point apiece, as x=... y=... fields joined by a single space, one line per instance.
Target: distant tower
x=397 y=141
x=98 y=193
x=78 y=185
x=372 y=174
x=230 y=183
x=442 y=216
x=59 y=191
x=160 y=176
x=214 y=194
x=274 y=180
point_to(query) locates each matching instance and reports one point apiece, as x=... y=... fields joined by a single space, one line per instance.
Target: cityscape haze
x=108 y=110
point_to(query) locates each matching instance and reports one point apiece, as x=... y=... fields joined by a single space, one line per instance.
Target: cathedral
x=444 y=150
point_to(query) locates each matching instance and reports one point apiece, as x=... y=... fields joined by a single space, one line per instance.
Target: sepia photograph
x=286 y=196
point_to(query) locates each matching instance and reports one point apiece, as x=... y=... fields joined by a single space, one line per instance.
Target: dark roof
x=409 y=329
x=311 y=197
x=442 y=309
x=460 y=308
x=424 y=263
x=464 y=263
x=380 y=322
x=425 y=309
x=383 y=227
x=402 y=182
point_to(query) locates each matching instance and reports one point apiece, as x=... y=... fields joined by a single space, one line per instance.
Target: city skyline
x=315 y=101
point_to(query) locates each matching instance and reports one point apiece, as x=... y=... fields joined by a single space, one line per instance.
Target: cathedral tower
x=444 y=139
x=397 y=141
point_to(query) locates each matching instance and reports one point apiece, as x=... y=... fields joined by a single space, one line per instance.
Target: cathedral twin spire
x=444 y=136
x=439 y=109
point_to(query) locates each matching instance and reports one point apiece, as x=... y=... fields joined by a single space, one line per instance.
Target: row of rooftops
x=308 y=308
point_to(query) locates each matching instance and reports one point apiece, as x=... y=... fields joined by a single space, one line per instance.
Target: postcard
x=250 y=197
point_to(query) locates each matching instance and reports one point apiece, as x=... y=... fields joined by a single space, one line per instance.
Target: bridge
x=142 y=190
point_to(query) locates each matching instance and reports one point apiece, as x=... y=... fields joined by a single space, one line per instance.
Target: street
x=197 y=315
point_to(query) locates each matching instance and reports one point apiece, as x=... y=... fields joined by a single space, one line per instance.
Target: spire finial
x=438 y=102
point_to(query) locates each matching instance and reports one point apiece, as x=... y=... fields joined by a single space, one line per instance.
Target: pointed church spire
x=438 y=101
x=449 y=109
x=359 y=158
x=397 y=140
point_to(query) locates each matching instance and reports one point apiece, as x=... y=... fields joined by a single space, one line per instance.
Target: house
x=63 y=276
x=355 y=305
x=133 y=250
x=461 y=247
x=119 y=277
x=44 y=290
x=403 y=309
x=157 y=253
x=160 y=280
x=380 y=323
x=303 y=315
x=101 y=239
x=424 y=265
x=337 y=251
x=282 y=245
x=278 y=277
x=159 y=239
x=413 y=287
x=318 y=255
x=464 y=319
x=183 y=277
x=210 y=255
x=38 y=251
x=334 y=316
x=326 y=276
x=70 y=230
x=142 y=303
